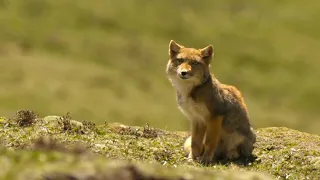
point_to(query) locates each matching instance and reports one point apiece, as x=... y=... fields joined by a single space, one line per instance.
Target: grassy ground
x=105 y=61
x=56 y=147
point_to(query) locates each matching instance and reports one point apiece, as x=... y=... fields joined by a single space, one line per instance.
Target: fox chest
x=194 y=111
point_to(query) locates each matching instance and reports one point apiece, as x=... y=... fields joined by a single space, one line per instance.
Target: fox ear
x=174 y=48
x=207 y=51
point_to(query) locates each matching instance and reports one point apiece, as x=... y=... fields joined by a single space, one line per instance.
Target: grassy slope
x=105 y=61
x=62 y=147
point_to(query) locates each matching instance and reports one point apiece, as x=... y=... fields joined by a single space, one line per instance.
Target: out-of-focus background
x=104 y=61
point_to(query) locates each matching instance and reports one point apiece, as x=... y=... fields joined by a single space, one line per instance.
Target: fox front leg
x=212 y=138
x=198 y=129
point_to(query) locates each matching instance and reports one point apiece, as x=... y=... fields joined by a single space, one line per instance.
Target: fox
x=217 y=112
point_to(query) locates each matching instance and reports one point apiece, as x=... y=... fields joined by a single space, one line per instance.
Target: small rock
x=75 y=123
x=51 y=118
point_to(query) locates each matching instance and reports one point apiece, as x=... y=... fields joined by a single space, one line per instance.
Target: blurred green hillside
x=105 y=60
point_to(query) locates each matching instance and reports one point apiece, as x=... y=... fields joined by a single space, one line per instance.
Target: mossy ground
x=57 y=147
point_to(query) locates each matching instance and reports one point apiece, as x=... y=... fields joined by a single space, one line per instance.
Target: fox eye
x=194 y=63
x=179 y=61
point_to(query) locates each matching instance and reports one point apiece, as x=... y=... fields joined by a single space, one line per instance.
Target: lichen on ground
x=58 y=147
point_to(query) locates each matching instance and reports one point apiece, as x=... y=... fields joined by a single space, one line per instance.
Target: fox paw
x=205 y=160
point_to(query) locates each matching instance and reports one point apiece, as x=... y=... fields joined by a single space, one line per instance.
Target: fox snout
x=184 y=71
x=183 y=74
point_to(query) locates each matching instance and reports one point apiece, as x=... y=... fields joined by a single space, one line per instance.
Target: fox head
x=188 y=65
